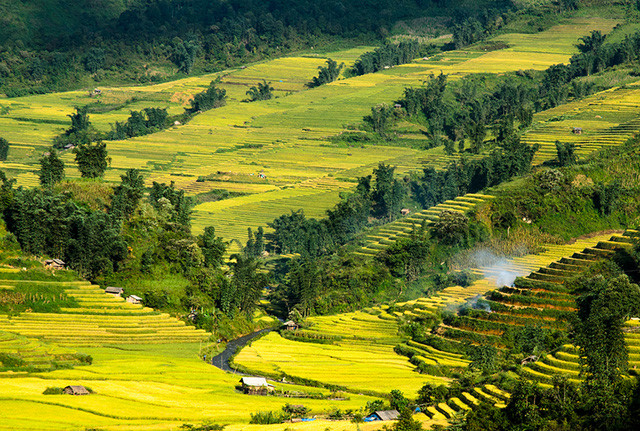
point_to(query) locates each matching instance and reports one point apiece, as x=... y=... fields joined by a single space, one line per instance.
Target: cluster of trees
x=132 y=237
x=468 y=108
x=326 y=74
x=472 y=175
x=390 y=54
x=380 y=196
x=263 y=91
x=596 y=55
x=139 y=123
x=462 y=111
x=212 y=97
x=4 y=149
x=472 y=29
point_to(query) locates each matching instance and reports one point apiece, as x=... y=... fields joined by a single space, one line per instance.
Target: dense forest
x=54 y=45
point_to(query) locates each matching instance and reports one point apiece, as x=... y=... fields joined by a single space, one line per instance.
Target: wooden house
x=54 y=263
x=383 y=415
x=256 y=386
x=405 y=211
x=133 y=299
x=290 y=325
x=115 y=291
x=577 y=130
x=75 y=390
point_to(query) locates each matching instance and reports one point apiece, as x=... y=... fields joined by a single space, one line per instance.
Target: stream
x=221 y=360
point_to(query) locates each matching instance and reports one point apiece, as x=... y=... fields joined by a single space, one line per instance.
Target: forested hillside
x=57 y=44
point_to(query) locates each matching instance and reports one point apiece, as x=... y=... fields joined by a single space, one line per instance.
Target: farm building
x=133 y=299
x=577 y=130
x=405 y=211
x=290 y=325
x=256 y=386
x=75 y=390
x=54 y=263
x=115 y=291
x=383 y=415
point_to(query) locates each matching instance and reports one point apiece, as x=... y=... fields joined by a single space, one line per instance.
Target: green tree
x=379 y=118
x=327 y=74
x=406 y=422
x=484 y=357
x=166 y=197
x=128 y=194
x=388 y=193
x=211 y=98
x=398 y=401
x=79 y=120
x=4 y=149
x=92 y=159
x=248 y=282
x=213 y=247
x=603 y=307
x=451 y=228
x=566 y=153
x=51 y=168
x=184 y=54
x=264 y=91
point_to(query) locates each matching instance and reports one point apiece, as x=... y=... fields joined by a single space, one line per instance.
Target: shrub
x=53 y=390
x=267 y=418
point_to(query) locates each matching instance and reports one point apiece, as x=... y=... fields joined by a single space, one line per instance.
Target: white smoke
x=496 y=268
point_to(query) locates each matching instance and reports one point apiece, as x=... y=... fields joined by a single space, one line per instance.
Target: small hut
x=290 y=325
x=115 y=291
x=75 y=390
x=54 y=263
x=529 y=359
x=405 y=211
x=133 y=299
x=577 y=130
x=383 y=415
x=256 y=386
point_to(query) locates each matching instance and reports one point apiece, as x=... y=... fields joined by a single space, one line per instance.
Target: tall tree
x=92 y=159
x=127 y=195
x=388 y=193
x=51 y=168
x=213 y=247
x=4 y=149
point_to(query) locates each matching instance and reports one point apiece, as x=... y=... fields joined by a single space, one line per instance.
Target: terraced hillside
x=285 y=138
x=146 y=368
x=337 y=349
x=18 y=352
x=98 y=319
x=607 y=119
x=538 y=299
x=381 y=238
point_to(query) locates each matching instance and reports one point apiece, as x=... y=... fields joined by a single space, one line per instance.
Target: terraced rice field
x=283 y=138
x=537 y=299
x=147 y=371
x=381 y=238
x=607 y=119
x=355 y=337
x=100 y=319
x=34 y=353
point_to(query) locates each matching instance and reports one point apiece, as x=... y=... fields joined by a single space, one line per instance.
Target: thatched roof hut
x=75 y=390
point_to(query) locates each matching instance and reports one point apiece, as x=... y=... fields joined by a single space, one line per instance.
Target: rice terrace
x=291 y=215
